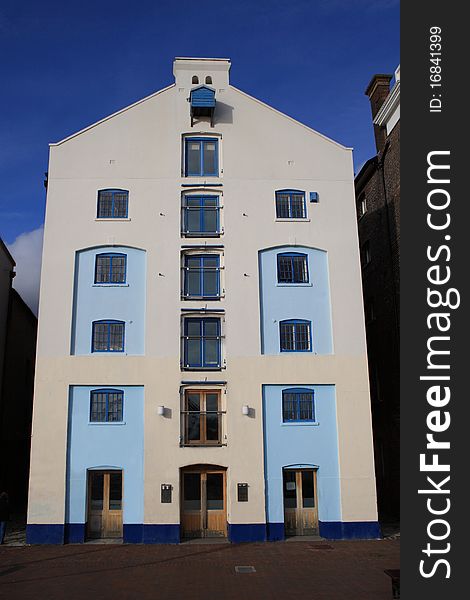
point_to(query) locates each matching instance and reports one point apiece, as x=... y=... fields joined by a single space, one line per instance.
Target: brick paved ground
x=317 y=570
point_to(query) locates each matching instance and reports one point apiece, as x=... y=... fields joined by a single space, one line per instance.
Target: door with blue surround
x=104 y=504
x=300 y=502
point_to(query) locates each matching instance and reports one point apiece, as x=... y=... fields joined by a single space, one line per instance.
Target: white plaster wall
x=140 y=150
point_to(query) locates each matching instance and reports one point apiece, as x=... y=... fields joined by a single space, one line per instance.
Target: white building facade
x=201 y=367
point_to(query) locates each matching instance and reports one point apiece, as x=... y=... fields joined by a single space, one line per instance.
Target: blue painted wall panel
x=302 y=445
x=246 y=532
x=350 y=530
x=105 y=446
x=121 y=302
x=161 y=534
x=75 y=533
x=281 y=302
x=45 y=534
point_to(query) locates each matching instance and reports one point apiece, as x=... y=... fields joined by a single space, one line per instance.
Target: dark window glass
x=298 y=405
x=295 y=336
x=106 y=406
x=290 y=204
x=108 y=336
x=115 y=491
x=308 y=496
x=365 y=254
x=192 y=491
x=209 y=157
x=201 y=157
x=201 y=215
x=290 y=491
x=215 y=491
x=202 y=418
x=97 y=488
x=193 y=158
x=201 y=276
x=292 y=268
x=193 y=417
x=98 y=407
x=212 y=417
x=112 y=204
x=202 y=343
x=110 y=268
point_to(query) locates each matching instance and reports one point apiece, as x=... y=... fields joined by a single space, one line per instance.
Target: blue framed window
x=202 y=276
x=298 y=405
x=106 y=406
x=112 y=204
x=110 y=268
x=201 y=157
x=201 y=215
x=290 y=204
x=107 y=336
x=292 y=267
x=202 y=343
x=295 y=336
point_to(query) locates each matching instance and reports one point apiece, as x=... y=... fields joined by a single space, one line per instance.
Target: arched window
x=298 y=405
x=110 y=268
x=209 y=80
x=292 y=267
x=290 y=204
x=106 y=406
x=112 y=204
x=295 y=336
x=195 y=80
x=107 y=336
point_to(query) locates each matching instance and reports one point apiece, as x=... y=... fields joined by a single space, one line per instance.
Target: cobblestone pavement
x=317 y=570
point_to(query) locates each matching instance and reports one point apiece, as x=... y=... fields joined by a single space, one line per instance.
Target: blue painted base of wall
x=45 y=534
x=353 y=530
x=275 y=532
x=255 y=532
x=132 y=533
x=75 y=533
x=161 y=534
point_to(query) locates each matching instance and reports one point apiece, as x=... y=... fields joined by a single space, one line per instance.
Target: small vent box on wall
x=314 y=197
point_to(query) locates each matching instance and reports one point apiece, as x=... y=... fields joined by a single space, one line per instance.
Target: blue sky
x=66 y=65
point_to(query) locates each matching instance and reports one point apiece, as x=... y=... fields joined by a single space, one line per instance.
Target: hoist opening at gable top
x=202 y=103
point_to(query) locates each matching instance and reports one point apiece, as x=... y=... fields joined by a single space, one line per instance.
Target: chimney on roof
x=378 y=90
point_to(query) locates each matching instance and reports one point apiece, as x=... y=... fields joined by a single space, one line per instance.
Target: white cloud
x=27 y=252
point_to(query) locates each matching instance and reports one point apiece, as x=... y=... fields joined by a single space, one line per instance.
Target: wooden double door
x=203 y=502
x=104 y=504
x=300 y=502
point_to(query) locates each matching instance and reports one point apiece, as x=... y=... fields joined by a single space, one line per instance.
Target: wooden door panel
x=309 y=521
x=191 y=524
x=300 y=502
x=216 y=523
x=95 y=524
x=113 y=525
x=290 y=521
x=203 y=508
x=103 y=520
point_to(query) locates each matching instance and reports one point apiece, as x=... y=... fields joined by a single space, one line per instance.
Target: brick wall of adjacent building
x=379 y=230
